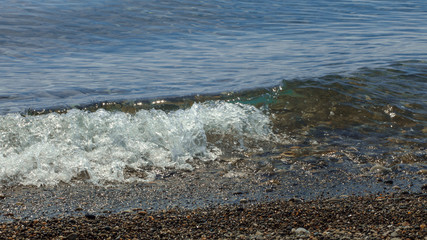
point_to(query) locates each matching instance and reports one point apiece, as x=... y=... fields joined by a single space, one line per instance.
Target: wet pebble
x=388 y=182
x=380 y=169
x=90 y=216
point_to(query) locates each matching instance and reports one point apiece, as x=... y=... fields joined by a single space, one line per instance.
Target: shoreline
x=202 y=188
x=376 y=216
x=328 y=203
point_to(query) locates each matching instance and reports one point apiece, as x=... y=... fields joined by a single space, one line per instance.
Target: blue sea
x=98 y=90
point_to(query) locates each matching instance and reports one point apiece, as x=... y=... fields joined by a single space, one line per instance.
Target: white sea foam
x=53 y=148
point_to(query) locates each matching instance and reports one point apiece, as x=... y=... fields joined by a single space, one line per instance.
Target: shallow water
x=360 y=122
x=106 y=92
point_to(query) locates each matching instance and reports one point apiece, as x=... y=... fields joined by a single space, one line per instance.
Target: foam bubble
x=101 y=146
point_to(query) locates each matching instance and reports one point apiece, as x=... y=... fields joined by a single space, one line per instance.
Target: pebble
x=395 y=233
x=380 y=169
x=72 y=236
x=90 y=216
x=388 y=182
x=296 y=200
x=301 y=231
x=258 y=236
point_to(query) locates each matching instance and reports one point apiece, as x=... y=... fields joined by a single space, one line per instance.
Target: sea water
x=137 y=86
x=101 y=146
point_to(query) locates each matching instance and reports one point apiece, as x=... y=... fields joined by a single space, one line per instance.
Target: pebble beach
x=392 y=216
x=213 y=119
x=186 y=205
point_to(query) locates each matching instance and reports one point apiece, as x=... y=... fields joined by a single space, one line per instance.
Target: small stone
x=394 y=234
x=406 y=224
x=90 y=216
x=257 y=236
x=380 y=169
x=424 y=187
x=388 y=182
x=72 y=236
x=333 y=200
x=78 y=209
x=240 y=209
x=243 y=200
x=296 y=200
x=301 y=231
x=395 y=187
x=2 y=196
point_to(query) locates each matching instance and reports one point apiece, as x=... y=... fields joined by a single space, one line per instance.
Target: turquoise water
x=111 y=91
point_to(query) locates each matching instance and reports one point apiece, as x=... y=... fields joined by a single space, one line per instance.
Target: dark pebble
x=388 y=182
x=90 y=216
x=72 y=236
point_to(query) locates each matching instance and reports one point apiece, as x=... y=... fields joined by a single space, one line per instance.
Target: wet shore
x=248 y=201
x=391 y=216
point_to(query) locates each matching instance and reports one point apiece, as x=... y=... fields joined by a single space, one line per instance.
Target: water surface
x=111 y=92
x=56 y=54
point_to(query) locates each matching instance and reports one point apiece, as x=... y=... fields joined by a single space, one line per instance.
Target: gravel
x=376 y=216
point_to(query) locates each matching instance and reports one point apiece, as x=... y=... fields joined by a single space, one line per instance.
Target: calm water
x=55 y=53
x=330 y=80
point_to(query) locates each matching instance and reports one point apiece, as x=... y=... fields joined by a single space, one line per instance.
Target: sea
x=107 y=92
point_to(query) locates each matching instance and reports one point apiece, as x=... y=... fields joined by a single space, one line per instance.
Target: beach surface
x=391 y=216
x=207 y=204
